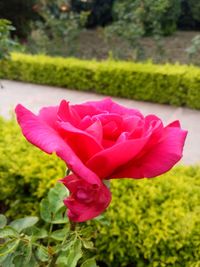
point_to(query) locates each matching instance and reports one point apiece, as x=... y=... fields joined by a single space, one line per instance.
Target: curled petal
x=159 y=159
x=42 y=135
x=86 y=201
x=107 y=161
x=83 y=143
x=112 y=107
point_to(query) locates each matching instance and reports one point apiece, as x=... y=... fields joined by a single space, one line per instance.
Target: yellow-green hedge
x=168 y=84
x=26 y=173
x=153 y=222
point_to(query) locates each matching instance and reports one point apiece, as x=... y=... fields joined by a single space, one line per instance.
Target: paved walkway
x=35 y=96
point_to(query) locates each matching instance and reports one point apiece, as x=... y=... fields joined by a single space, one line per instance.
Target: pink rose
x=86 y=200
x=102 y=140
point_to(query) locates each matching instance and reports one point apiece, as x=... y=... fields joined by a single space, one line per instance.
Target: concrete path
x=35 y=96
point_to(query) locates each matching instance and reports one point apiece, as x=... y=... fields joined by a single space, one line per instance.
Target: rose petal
x=86 y=201
x=112 y=107
x=105 y=162
x=159 y=159
x=67 y=113
x=95 y=130
x=82 y=143
x=49 y=116
x=39 y=133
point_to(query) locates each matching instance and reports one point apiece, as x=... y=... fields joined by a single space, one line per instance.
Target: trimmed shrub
x=153 y=222
x=26 y=173
x=167 y=84
x=150 y=222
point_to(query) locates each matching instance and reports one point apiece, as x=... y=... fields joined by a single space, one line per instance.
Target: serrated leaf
x=8 y=232
x=89 y=263
x=7 y=260
x=37 y=233
x=50 y=216
x=52 y=208
x=3 y=258
x=8 y=247
x=60 y=217
x=59 y=234
x=33 y=262
x=87 y=231
x=67 y=245
x=42 y=254
x=72 y=256
x=88 y=244
x=3 y=221
x=56 y=196
x=24 y=253
x=23 y=223
x=45 y=213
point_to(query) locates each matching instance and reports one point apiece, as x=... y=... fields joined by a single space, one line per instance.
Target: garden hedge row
x=150 y=223
x=167 y=84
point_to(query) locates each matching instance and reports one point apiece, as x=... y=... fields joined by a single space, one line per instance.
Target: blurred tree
x=20 y=13
x=57 y=31
x=151 y=16
x=133 y=19
x=190 y=15
x=100 y=11
x=6 y=44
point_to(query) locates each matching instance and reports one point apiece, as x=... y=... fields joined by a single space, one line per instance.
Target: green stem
x=50 y=231
x=53 y=262
x=72 y=226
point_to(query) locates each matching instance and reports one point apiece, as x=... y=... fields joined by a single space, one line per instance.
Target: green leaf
x=60 y=217
x=68 y=244
x=88 y=244
x=45 y=213
x=89 y=263
x=42 y=254
x=3 y=258
x=49 y=215
x=72 y=255
x=107 y=183
x=56 y=196
x=59 y=235
x=7 y=260
x=52 y=209
x=24 y=253
x=8 y=232
x=33 y=262
x=37 y=233
x=3 y=221
x=42 y=233
x=8 y=247
x=21 y=224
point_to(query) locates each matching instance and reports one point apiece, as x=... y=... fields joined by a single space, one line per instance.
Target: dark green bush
x=100 y=11
x=166 y=84
x=190 y=15
x=150 y=223
x=20 y=12
x=6 y=43
x=153 y=17
x=195 y=9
